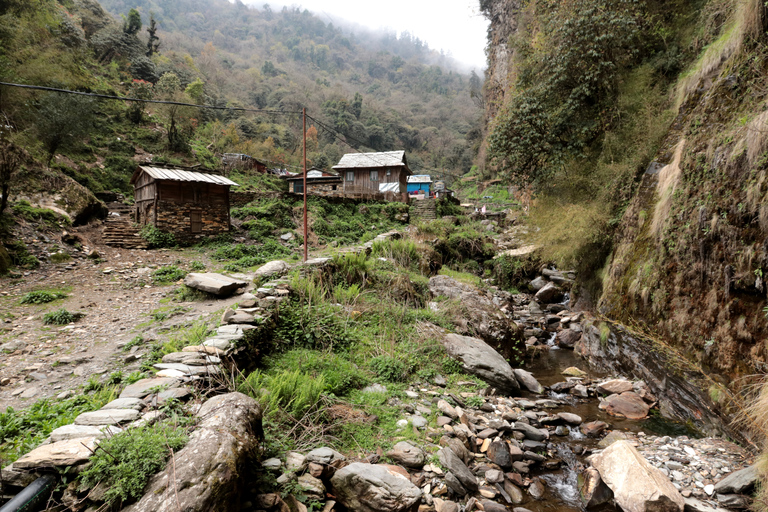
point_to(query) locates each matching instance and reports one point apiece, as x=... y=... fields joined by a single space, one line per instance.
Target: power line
x=162 y=102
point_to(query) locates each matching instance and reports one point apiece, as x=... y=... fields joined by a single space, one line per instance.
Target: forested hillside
x=366 y=92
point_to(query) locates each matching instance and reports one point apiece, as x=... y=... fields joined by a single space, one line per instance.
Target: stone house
x=319 y=183
x=191 y=205
x=375 y=175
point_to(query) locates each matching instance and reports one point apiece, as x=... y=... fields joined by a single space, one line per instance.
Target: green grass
x=168 y=274
x=23 y=430
x=42 y=296
x=61 y=317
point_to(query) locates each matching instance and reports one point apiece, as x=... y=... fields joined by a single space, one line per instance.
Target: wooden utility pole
x=304 y=116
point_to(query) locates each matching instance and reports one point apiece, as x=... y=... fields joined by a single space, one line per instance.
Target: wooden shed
x=375 y=175
x=191 y=205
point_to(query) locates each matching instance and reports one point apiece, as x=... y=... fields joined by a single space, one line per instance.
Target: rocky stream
x=591 y=423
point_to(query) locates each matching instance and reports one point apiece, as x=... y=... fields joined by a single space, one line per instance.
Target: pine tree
x=153 y=45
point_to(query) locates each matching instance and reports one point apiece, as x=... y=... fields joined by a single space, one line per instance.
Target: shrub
x=60 y=257
x=126 y=461
x=404 y=252
x=156 y=238
x=61 y=317
x=20 y=256
x=389 y=368
x=168 y=274
x=42 y=297
x=292 y=391
x=197 y=266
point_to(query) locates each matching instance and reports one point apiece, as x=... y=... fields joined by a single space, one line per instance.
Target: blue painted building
x=420 y=183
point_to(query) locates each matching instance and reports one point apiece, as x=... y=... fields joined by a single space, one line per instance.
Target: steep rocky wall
x=691 y=254
x=503 y=15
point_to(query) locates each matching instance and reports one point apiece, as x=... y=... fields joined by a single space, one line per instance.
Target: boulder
x=325 y=456
x=71 y=431
x=567 y=338
x=738 y=482
x=216 y=284
x=480 y=359
x=374 y=488
x=273 y=267
x=568 y=417
x=628 y=404
x=485 y=320
x=637 y=486
x=538 y=283
x=593 y=428
x=107 y=417
x=498 y=453
x=528 y=381
x=548 y=294
x=455 y=465
x=205 y=472
x=592 y=490
x=408 y=455
x=615 y=386
x=530 y=432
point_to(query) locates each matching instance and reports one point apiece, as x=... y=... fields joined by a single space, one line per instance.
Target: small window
x=374 y=175
x=389 y=172
x=350 y=175
x=333 y=187
x=196 y=221
x=298 y=187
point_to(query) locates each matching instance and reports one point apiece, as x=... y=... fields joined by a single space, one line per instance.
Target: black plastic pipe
x=32 y=497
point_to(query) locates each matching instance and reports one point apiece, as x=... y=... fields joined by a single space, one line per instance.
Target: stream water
x=562 y=492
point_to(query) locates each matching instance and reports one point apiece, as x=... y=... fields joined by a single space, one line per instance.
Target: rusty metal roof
x=368 y=160
x=179 y=175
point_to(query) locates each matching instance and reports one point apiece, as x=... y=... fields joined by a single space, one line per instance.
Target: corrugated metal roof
x=420 y=178
x=364 y=160
x=179 y=175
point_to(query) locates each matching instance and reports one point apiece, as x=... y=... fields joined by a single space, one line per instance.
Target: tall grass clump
x=290 y=391
x=403 y=252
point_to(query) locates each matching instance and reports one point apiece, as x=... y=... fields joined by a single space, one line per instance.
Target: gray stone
x=494 y=476
x=592 y=490
x=614 y=386
x=17 y=478
x=374 y=488
x=456 y=466
x=314 y=487
x=273 y=267
x=694 y=505
x=295 y=462
x=125 y=403
x=738 y=482
x=200 y=478
x=567 y=338
x=637 y=486
x=407 y=455
x=71 y=431
x=107 y=417
x=29 y=392
x=538 y=283
x=730 y=500
x=144 y=387
x=221 y=342
x=528 y=381
x=536 y=489
x=239 y=316
x=12 y=346
x=189 y=369
x=216 y=284
x=549 y=293
x=480 y=359
x=63 y=453
x=455 y=485
x=447 y=409
x=573 y=419
x=325 y=456
x=530 y=432
x=492 y=506
x=628 y=405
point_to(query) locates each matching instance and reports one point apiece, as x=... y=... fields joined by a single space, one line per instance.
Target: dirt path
x=117 y=297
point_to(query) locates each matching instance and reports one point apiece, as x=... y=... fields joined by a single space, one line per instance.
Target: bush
x=389 y=368
x=168 y=274
x=404 y=252
x=42 y=297
x=61 y=317
x=156 y=238
x=126 y=461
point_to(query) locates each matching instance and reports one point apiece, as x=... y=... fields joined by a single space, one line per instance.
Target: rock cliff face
x=499 y=77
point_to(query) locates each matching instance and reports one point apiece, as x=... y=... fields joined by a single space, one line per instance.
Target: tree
x=61 y=119
x=153 y=44
x=177 y=117
x=10 y=160
x=132 y=22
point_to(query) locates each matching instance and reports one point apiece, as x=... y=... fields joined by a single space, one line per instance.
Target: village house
x=375 y=175
x=191 y=205
x=419 y=184
x=319 y=183
x=232 y=161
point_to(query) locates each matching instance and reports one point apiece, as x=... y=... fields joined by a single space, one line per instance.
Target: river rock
x=538 y=283
x=61 y=454
x=480 y=359
x=492 y=506
x=592 y=490
x=498 y=453
x=447 y=409
x=530 y=432
x=457 y=447
x=455 y=465
x=615 y=386
x=567 y=338
x=536 y=489
x=314 y=487
x=570 y=418
x=593 y=428
x=733 y=501
x=528 y=381
x=483 y=318
x=216 y=284
x=637 y=486
x=572 y=371
x=455 y=485
x=738 y=482
x=408 y=455
x=202 y=471
x=628 y=405
x=374 y=488
x=549 y=293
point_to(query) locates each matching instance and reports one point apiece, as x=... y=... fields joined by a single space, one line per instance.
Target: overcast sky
x=455 y=26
